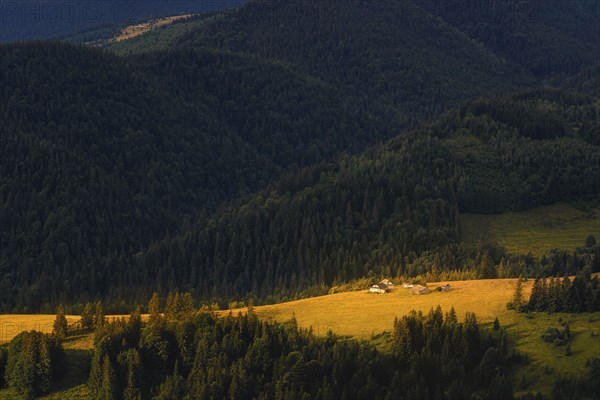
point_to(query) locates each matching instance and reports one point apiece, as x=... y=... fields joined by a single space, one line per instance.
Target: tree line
x=202 y=356
x=582 y=294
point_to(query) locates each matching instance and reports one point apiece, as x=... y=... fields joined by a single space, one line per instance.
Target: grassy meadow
x=370 y=317
x=537 y=230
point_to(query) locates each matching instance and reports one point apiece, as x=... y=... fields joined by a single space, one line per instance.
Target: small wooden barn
x=418 y=290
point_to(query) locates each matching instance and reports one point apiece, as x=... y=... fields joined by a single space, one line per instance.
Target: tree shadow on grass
x=78 y=369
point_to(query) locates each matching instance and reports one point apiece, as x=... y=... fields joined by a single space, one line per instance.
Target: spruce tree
x=60 y=325
x=154 y=310
x=99 y=318
x=87 y=317
x=109 y=389
x=518 y=296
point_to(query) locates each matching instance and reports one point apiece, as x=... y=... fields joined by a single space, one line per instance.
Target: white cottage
x=379 y=288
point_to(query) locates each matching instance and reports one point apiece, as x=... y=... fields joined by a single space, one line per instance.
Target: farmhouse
x=446 y=288
x=388 y=283
x=379 y=288
x=418 y=289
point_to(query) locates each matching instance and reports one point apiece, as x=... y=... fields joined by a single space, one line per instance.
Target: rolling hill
x=552 y=39
x=138 y=169
x=395 y=209
x=102 y=154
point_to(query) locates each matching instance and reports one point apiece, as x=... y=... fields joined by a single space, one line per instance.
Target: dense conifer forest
x=288 y=149
x=241 y=357
x=233 y=164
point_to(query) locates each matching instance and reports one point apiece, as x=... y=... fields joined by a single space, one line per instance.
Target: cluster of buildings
x=386 y=286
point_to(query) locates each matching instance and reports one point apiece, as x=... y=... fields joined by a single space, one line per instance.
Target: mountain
x=389 y=50
x=586 y=81
x=392 y=211
x=102 y=154
x=551 y=39
x=134 y=167
x=34 y=19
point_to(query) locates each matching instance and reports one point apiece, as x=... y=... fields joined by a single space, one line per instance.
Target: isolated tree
x=518 y=296
x=87 y=317
x=60 y=326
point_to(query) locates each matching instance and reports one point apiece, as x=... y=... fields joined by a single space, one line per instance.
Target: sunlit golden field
x=363 y=315
x=13 y=324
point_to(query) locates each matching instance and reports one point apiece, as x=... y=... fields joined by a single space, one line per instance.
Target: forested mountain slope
x=389 y=51
x=551 y=39
x=39 y=19
x=379 y=212
x=102 y=155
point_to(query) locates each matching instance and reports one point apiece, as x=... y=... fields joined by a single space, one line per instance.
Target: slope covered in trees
x=550 y=39
x=102 y=155
x=381 y=212
x=389 y=51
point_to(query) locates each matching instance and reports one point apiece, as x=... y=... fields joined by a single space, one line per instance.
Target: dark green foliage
x=496 y=324
x=35 y=361
x=441 y=353
x=174 y=387
x=102 y=155
x=558 y=336
x=3 y=360
x=590 y=241
x=117 y=370
x=580 y=295
x=113 y=168
x=242 y=358
x=393 y=211
x=550 y=38
x=60 y=326
x=87 y=317
x=99 y=317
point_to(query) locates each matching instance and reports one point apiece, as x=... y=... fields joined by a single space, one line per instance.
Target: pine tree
x=44 y=367
x=173 y=388
x=132 y=362
x=99 y=318
x=518 y=296
x=496 y=324
x=154 y=310
x=60 y=325
x=109 y=389
x=87 y=317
